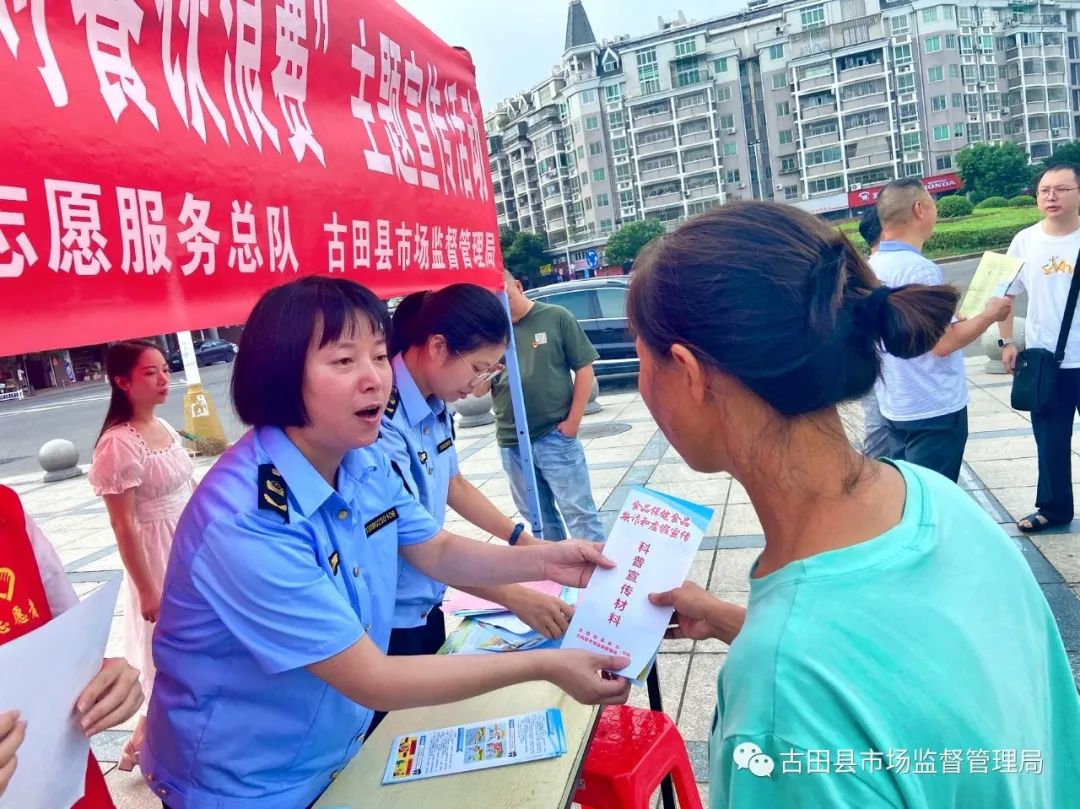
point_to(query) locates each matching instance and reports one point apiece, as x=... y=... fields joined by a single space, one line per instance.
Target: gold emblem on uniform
x=273 y=492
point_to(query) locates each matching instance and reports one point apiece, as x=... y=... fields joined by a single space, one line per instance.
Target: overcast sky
x=513 y=50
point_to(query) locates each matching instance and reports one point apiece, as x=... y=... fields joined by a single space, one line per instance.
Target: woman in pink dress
x=145 y=476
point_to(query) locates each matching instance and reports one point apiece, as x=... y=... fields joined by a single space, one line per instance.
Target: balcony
x=818 y=112
x=822 y=169
x=702 y=164
x=856 y=132
x=1037 y=22
x=703 y=192
x=660 y=200
x=658 y=147
x=694 y=138
x=648 y=175
x=693 y=111
x=865 y=161
x=556 y=223
x=815 y=83
x=652 y=119
x=870 y=71
x=825 y=139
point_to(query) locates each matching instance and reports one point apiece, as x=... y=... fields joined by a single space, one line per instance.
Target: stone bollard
x=594 y=405
x=988 y=341
x=59 y=459
x=474 y=411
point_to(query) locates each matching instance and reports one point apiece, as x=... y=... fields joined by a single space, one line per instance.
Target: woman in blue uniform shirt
x=442 y=343
x=279 y=596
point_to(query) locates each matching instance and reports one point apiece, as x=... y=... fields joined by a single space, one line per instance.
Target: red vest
x=24 y=607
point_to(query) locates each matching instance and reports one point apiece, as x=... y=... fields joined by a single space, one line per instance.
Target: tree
x=525 y=255
x=1066 y=153
x=506 y=238
x=994 y=171
x=625 y=244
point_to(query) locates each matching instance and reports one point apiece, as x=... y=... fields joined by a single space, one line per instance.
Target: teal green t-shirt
x=920 y=669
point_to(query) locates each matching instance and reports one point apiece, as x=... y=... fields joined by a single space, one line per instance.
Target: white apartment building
x=794 y=100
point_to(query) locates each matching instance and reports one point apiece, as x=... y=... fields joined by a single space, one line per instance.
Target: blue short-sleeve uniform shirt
x=272 y=569
x=417 y=436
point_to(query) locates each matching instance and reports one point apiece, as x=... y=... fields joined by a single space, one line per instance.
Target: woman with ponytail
x=888 y=614
x=145 y=476
x=443 y=344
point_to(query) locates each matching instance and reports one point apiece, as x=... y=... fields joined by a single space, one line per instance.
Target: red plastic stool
x=631 y=753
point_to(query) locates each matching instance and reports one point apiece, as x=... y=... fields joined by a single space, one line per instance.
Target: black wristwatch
x=515 y=535
x=1005 y=341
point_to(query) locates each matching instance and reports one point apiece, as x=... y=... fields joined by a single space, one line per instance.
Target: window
x=720 y=65
x=905 y=82
x=599 y=175
x=783 y=108
x=943 y=163
x=954 y=71
x=622 y=173
x=991 y=101
x=618 y=147
x=830 y=154
x=579 y=304
x=656 y=136
x=789 y=165
x=587 y=97
x=785 y=136
x=580 y=152
x=941 y=132
x=648 y=71
x=731 y=176
x=626 y=199
x=780 y=81
x=986 y=43
x=723 y=94
x=957 y=100
x=959 y=130
x=698 y=155
x=686 y=72
x=912 y=141
x=791 y=192
x=727 y=121
x=612 y=302
x=596 y=147
x=616 y=119
x=902 y=54
x=576 y=127
x=588 y=204
x=776 y=51
x=913 y=169
x=933 y=44
x=930 y=14
x=592 y=122
x=602 y=200
x=731 y=149
x=938 y=103
x=950 y=42
x=685 y=47
x=899 y=25
x=584 y=178
x=692 y=100
x=989 y=73
x=935 y=74
x=826 y=184
x=813 y=17
x=613 y=93
x=825 y=127
x=949 y=13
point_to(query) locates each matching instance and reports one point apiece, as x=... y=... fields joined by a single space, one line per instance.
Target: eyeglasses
x=480 y=376
x=1057 y=190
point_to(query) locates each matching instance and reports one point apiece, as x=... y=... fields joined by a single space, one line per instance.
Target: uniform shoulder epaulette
x=392 y=403
x=273 y=492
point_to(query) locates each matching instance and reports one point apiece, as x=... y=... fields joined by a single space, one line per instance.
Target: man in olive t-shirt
x=550 y=345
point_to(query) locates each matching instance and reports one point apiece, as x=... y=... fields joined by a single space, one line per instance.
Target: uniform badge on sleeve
x=273 y=493
x=381 y=521
x=445 y=445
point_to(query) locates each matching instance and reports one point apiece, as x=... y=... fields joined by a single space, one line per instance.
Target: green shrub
x=1021 y=201
x=992 y=202
x=954 y=206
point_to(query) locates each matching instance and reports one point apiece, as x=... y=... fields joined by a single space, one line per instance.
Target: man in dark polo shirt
x=556 y=360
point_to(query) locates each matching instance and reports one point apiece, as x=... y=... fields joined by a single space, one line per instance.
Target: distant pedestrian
x=875 y=430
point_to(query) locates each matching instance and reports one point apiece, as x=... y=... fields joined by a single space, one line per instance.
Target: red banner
x=935 y=185
x=166 y=162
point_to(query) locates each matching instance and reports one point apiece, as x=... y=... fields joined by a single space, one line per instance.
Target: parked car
x=207 y=352
x=599 y=305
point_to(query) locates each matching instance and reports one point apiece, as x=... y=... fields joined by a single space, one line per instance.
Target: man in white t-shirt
x=1049 y=251
x=924 y=399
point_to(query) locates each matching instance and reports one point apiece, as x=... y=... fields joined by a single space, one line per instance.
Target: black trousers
x=936 y=443
x=425 y=639
x=1053 y=436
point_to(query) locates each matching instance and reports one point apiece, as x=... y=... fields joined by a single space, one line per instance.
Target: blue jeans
x=562 y=479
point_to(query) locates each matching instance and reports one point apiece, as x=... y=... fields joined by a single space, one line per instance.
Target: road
x=77 y=415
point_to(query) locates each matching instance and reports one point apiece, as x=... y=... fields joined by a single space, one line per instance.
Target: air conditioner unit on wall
x=730 y=130
x=855 y=187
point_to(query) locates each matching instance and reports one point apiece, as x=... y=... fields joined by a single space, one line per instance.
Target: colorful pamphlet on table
x=465 y=748
x=652 y=543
